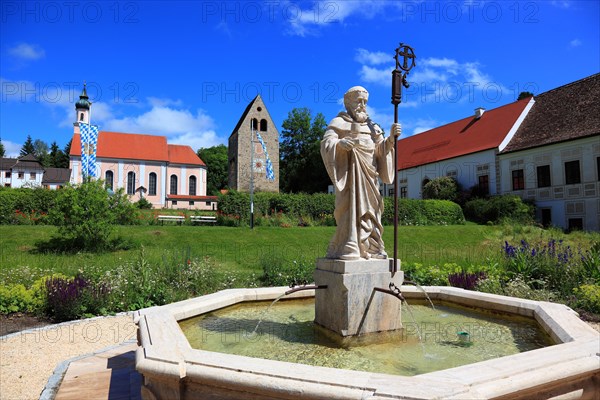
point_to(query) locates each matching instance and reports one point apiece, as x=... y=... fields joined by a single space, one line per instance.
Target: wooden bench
x=174 y=218
x=203 y=219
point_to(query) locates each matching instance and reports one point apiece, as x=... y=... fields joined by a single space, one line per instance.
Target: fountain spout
x=304 y=287
x=393 y=290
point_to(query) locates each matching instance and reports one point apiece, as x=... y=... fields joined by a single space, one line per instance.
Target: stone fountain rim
x=165 y=353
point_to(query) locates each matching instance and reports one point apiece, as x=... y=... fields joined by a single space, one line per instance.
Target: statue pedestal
x=349 y=305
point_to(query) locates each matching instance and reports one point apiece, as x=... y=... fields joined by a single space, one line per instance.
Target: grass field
x=243 y=249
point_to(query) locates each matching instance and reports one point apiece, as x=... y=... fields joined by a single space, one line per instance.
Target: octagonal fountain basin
x=504 y=352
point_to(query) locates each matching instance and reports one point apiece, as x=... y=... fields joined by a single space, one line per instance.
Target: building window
x=403 y=192
x=192 y=186
x=152 y=184
x=108 y=180
x=572 y=173
x=7 y=173
x=173 y=186
x=174 y=202
x=518 y=180
x=191 y=202
x=7 y=185
x=484 y=184
x=543 y=176
x=130 y=182
x=263 y=125
x=207 y=203
x=21 y=175
x=254 y=124
x=575 y=224
x=32 y=176
x=81 y=117
x=598 y=168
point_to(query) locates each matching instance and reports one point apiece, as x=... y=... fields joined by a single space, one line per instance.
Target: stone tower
x=245 y=147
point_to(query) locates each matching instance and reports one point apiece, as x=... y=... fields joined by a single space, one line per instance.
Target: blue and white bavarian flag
x=270 y=173
x=89 y=142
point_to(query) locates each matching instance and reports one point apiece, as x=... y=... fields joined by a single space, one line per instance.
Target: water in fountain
x=265 y=313
x=289 y=334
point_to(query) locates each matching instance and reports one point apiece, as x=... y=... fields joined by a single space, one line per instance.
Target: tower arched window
x=254 y=124
x=152 y=184
x=81 y=117
x=131 y=182
x=173 y=185
x=108 y=180
x=263 y=125
x=192 y=186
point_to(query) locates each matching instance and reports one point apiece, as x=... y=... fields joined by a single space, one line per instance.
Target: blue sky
x=187 y=69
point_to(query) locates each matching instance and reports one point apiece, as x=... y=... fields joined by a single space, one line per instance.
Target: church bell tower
x=82 y=109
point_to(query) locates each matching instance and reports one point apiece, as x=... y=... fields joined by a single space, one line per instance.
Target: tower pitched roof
x=245 y=113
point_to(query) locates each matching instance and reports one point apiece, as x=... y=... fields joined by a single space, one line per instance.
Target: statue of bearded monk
x=356 y=156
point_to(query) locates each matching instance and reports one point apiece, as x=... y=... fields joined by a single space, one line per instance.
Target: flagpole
x=251 y=176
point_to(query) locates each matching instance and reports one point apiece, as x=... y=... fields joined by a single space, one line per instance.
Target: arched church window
x=81 y=117
x=263 y=125
x=254 y=124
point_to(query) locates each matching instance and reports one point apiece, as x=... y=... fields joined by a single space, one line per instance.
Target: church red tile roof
x=180 y=154
x=131 y=146
x=465 y=136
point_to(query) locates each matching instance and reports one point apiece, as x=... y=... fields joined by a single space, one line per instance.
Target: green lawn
x=241 y=249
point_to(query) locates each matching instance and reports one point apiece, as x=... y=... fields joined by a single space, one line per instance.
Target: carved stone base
x=349 y=305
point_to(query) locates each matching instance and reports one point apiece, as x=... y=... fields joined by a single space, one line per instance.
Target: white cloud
x=384 y=120
x=380 y=76
x=11 y=149
x=575 y=43
x=423 y=125
x=27 y=52
x=160 y=102
x=307 y=21
x=364 y=56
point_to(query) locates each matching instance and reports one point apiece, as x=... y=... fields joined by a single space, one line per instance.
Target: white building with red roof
x=167 y=175
x=465 y=150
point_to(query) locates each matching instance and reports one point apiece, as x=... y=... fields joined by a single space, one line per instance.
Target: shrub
x=466 y=280
x=143 y=204
x=15 y=298
x=588 y=297
x=86 y=214
x=69 y=299
x=442 y=188
x=498 y=209
x=279 y=272
x=423 y=212
x=26 y=205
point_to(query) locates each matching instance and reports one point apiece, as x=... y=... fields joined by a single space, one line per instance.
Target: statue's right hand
x=346 y=144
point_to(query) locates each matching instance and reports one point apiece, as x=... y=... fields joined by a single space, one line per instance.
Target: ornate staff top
x=405 y=61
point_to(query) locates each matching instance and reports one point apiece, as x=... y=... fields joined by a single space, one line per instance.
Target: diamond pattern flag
x=270 y=172
x=89 y=142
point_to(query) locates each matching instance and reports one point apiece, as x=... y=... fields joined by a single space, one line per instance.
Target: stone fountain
x=354 y=272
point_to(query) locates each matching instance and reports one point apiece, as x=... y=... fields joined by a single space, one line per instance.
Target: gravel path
x=28 y=359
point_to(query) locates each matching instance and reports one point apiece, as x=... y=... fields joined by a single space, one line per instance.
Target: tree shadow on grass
x=66 y=245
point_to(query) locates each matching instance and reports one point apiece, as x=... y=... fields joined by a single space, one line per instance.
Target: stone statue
x=356 y=154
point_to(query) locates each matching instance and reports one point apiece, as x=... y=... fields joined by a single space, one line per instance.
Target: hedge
x=25 y=205
x=316 y=206
x=498 y=209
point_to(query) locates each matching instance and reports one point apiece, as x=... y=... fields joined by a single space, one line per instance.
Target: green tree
x=301 y=167
x=524 y=95
x=27 y=147
x=86 y=214
x=442 y=188
x=56 y=156
x=40 y=150
x=63 y=160
x=216 y=162
x=2 y=152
